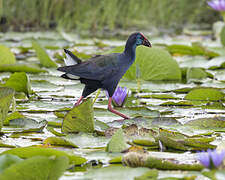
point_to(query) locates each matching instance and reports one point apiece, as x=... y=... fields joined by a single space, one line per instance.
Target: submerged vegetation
x=95 y=15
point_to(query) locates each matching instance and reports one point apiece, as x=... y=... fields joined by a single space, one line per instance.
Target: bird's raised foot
x=78 y=101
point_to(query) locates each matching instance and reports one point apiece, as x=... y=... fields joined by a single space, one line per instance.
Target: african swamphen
x=103 y=71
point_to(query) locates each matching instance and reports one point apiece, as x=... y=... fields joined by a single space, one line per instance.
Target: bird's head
x=139 y=39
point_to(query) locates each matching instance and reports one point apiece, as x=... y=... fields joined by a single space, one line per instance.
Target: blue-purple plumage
x=105 y=71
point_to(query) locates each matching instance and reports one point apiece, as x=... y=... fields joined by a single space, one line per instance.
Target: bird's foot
x=78 y=102
x=118 y=113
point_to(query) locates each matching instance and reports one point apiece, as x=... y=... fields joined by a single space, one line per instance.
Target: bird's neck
x=130 y=51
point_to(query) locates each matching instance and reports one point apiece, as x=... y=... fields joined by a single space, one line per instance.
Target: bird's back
x=97 y=68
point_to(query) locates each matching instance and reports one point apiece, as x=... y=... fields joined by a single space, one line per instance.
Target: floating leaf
x=153 y=64
x=209 y=123
x=195 y=73
x=195 y=49
x=43 y=56
x=20 y=68
x=85 y=140
x=116 y=160
x=6 y=96
x=151 y=174
x=80 y=118
x=115 y=172
x=14 y=115
x=53 y=131
x=23 y=125
x=58 y=141
x=38 y=167
x=20 y=82
x=6 y=160
x=26 y=152
x=117 y=142
x=7 y=57
x=176 y=140
x=205 y=94
x=134 y=159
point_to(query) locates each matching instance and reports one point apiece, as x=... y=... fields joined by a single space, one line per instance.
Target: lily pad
x=209 y=123
x=14 y=115
x=7 y=160
x=80 y=118
x=205 y=94
x=27 y=125
x=152 y=64
x=137 y=159
x=20 y=68
x=27 y=152
x=195 y=49
x=38 y=167
x=117 y=142
x=58 y=141
x=176 y=140
x=195 y=73
x=43 y=56
x=86 y=140
x=6 y=96
x=20 y=82
x=7 y=57
x=115 y=172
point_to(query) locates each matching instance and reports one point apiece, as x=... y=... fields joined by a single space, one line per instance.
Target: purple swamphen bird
x=103 y=71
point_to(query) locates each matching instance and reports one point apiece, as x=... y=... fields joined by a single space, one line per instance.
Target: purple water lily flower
x=211 y=158
x=218 y=5
x=119 y=96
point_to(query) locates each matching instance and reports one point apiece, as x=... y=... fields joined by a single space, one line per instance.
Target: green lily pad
x=20 y=82
x=58 y=141
x=7 y=160
x=151 y=174
x=7 y=57
x=115 y=172
x=170 y=164
x=38 y=167
x=209 y=123
x=80 y=118
x=205 y=94
x=152 y=64
x=176 y=140
x=14 y=115
x=86 y=140
x=20 y=68
x=117 y=142
x=137 y=159
x=27 y=152
x=195 y=73
x=195 y=49
x=53 y=131
x=27 y=125
x=43 y=56
x=6 y=96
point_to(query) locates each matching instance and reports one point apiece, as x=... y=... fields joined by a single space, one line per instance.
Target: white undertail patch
x=69 y=61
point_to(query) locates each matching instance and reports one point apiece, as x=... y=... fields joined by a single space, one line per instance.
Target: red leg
x=114 y=111
x=79 y=101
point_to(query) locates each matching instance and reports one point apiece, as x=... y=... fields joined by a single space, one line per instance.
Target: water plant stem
x=98 y=92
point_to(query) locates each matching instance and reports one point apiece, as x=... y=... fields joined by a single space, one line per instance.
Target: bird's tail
x=70 y=76
x=71 y=59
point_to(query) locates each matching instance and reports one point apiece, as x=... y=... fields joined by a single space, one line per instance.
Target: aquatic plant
x=218 y=5
x=211 y=158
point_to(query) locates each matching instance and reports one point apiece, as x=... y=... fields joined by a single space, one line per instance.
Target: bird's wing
x=97 y=68
x=71 y=59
